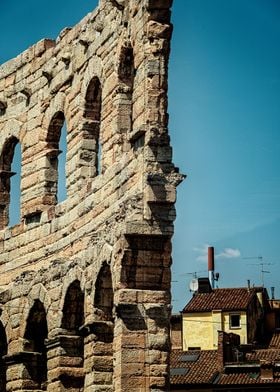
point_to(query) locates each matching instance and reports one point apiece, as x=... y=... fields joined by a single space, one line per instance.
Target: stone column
x=98 y=362
x=65 y=363
x=141 y=343
x=23 y=372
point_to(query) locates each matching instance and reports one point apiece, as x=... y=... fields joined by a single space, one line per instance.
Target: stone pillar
x=98 y=363
x=65 y=363
x=24 y=372
x=142 y=342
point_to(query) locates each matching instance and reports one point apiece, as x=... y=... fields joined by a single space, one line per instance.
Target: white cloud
x=203 y=253
x=227 y=253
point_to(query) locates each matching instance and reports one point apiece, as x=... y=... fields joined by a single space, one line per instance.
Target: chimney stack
x=211 y=267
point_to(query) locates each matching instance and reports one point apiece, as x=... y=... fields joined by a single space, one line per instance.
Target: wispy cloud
x=226 y=253
x=202 y=252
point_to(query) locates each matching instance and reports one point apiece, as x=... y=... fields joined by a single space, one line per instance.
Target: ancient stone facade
x=85 y=283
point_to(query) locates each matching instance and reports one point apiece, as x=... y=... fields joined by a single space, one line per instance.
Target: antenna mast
x=260 y=264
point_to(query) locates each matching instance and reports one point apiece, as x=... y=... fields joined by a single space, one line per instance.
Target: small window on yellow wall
x=234 y=321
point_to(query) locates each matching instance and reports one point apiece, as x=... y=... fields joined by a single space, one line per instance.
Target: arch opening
x=103 y=298
x=92 y=112
x=35 y=334
x=10 y=178
x=126 y=75
x=73 y=309
x=72 y=341
x=103 y=324
x=57 y=151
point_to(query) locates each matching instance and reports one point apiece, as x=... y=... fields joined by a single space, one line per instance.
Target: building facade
x=85 y=283
x=232 y=310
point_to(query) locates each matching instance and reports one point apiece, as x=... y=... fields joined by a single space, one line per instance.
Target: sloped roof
x=205 y=371
x=275 y=340
x=246 y=378
x=225 y=299
x=201 y=370
x=270 y=353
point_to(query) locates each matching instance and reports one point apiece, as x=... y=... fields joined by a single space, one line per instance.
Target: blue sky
x=224 y=90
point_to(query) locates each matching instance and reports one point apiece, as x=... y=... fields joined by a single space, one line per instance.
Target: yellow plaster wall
x=201 y=329
x=197 y=331
x=242 y=331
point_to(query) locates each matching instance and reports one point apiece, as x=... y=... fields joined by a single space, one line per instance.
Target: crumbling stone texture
x=85 y=283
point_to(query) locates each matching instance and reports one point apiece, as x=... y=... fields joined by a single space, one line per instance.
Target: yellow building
x=236 y=310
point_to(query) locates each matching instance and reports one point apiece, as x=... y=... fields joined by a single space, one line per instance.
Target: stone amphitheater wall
x=85 y=283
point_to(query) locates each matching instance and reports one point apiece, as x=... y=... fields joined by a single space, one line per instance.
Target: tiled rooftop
x=226 y=299
x=201 y=366
x=275 y=340
x=245 y=378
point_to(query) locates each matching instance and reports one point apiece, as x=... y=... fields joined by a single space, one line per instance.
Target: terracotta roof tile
x=226 y=299
x=267 y=354
x=275 y=340
x=244 y=378
x=239 y=378
x=204 y=370
x=200 y=371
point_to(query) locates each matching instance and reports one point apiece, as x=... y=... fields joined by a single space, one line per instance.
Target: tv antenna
x=194 y=274
x=260 y=264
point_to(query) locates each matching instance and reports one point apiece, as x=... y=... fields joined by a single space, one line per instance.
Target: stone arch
x=74 y=274
x=71 y=339
x=3 y=352
x=103 y=293
x=35 y=335
x=92 y=125
x=94 y=69
x=57 y=104
x=39 y=292
x=53 y=137
x=73 y=309
x=125 y=78
x=6 y=160
x=103 y=327
x=126 y=68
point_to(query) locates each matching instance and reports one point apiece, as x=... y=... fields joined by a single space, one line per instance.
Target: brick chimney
x=211 y=266
x=266 y=369
x=227 y=342
x=176 y=331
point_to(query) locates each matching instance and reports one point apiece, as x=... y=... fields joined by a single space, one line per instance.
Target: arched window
x=61 y=187
x=10 y=168
x=57 y=146
x=3 y=351
x=73 y=310
x=103 y=298
x=35 y=334
x=104 y=329
x=126 y=75
x=92 y=113
x=126 y=65
x=73 y=342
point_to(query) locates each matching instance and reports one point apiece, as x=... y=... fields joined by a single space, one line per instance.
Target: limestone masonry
x=85 y=283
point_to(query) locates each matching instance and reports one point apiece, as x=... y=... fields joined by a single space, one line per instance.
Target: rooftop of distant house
x=257 y=366
x=227 y=299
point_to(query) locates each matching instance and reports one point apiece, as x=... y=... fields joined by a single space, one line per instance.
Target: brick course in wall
x=85 y=283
